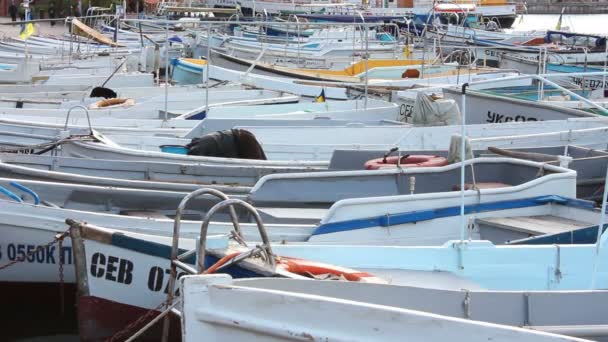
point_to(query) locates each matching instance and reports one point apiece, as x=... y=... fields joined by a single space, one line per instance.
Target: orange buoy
x=419 y=160
x=112 y=102
x=411 y=73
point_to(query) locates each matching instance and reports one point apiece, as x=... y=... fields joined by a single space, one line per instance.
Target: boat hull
x=505 y=21
x=100 y=319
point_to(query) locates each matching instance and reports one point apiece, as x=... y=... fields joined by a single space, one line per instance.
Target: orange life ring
x=307 y=267
x=112 y=102
x=419 y=160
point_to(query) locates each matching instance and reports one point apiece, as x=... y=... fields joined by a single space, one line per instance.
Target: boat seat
x=144 y=213
x=292 y=215
x=534 y=225
x=480 y=186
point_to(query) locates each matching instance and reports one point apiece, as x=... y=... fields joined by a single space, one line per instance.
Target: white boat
x=190 y=104
x=381 y=74
x=493 y=107
x=219 y=308
x=468 y=264
x=261 y=81
x=324 y=52
x=354 y=110
x=284 y=148
x=388 y=220
x=527 y=66
x=557 y=47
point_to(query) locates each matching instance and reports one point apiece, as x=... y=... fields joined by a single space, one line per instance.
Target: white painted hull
x=215 y=309
x=494 y=108
x=342 y=110
x=180 y=103
x=556 y=57
x=559 y=312
x=18 y=71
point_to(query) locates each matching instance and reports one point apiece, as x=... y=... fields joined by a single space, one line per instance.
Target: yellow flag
x=321 y=97
x=559 y=21
x=27 y=29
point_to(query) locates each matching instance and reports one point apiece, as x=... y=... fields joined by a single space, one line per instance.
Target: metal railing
x=177 y=259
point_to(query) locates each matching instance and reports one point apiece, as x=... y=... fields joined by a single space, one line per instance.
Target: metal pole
x=166 y=70
x=545 y=61
x=397 y=40
x=463 y=107
x=298 y=40
x=366 y=65
x=71 y=40
x=287 y=38
x=153 y=321
x=542 y=70
x=141 y=36
x=116 y=22
x=598 y=242
x=346 y=37
x=206 y=73
x=366 y=55
x=604 y=77
x=423 y=54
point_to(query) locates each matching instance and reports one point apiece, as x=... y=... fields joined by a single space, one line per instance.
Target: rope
x=221 y=262
x=119 y=336
x=541 y=170
x=45 y=147
x=61 y=282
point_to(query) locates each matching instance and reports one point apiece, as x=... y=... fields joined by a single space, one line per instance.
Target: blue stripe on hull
x=430 y=214
x=163 y=251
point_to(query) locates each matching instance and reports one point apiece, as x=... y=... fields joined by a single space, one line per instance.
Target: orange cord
x=221 y=262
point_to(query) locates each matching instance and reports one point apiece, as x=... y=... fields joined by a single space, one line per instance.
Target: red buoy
x=419 y=160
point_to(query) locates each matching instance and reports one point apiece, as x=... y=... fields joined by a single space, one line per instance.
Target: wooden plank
x=83 y=30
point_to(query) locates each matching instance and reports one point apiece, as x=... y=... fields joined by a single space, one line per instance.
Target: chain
x=118 y=336
x=58 y=238
x=61 y=282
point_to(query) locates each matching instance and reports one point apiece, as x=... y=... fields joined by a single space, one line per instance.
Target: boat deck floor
x=534 y=225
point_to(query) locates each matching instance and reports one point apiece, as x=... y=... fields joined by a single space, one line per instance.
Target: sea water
x=579 y=23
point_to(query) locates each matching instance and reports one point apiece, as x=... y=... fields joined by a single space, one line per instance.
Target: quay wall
x=571 y=7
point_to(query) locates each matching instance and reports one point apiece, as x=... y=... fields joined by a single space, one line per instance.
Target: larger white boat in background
x=501 y=11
